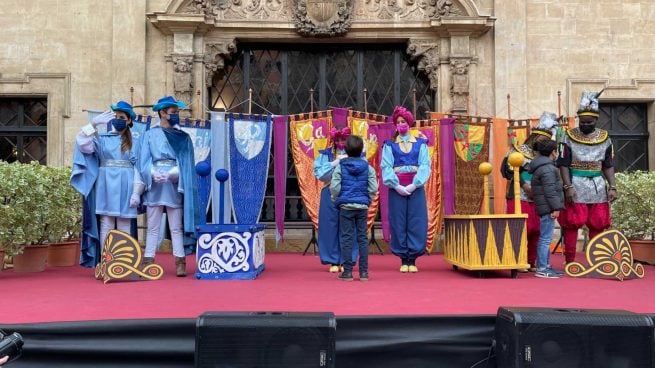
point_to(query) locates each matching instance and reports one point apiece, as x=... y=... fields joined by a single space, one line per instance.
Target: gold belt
x=586 y=165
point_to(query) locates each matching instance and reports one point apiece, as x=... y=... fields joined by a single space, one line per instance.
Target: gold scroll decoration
x=121 y=260
x=608 y=255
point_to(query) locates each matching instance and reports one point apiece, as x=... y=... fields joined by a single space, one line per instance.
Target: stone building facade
x=87 y=54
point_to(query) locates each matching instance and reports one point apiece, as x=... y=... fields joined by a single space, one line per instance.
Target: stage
x=437 y=312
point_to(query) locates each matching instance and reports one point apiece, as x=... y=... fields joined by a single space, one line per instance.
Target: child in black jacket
x=549 y=200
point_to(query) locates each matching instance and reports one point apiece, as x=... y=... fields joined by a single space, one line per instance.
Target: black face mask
x=587 y=128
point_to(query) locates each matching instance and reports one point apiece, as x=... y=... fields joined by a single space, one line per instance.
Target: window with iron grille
x=628 y=127
x=23 y=129
x=281 y=77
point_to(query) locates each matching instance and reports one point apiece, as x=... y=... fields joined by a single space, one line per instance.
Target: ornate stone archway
x=440 y=35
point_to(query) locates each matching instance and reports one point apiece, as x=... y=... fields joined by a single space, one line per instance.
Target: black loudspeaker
x=265 y=340
x=572 y=338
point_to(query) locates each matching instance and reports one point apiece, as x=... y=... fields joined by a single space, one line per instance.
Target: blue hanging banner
x=250 y=147
x=201 y=137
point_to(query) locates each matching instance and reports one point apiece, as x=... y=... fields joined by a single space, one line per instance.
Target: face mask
x=119 y=124
x=402 y=129
x=588 y=128
x=341 y=146
x=174 y=119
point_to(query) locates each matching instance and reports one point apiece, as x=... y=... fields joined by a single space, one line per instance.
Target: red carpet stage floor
x=292 y=282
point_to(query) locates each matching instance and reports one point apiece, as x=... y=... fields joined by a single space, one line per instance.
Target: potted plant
x=64 y=219
x=633 y=212
x=24 y=202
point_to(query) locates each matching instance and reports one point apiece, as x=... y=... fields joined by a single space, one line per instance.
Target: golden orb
x=485 y=168
x=515 y=159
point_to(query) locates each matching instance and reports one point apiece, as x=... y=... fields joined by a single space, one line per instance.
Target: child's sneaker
x=557 y=271
x=547 y=274
x=346 y=276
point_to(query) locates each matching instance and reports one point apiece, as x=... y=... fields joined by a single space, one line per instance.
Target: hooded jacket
x=546 y=185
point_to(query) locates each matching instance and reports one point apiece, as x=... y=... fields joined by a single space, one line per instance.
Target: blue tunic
x=112 y=174
x=157 y=154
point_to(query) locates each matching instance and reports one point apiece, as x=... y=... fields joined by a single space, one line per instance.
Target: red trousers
x=595 y=215
x=533 y=227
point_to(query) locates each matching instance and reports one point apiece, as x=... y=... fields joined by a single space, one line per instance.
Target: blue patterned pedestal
x=230 y=252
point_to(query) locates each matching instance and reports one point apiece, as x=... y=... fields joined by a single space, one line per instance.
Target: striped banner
x=433 y=188
x=471 y=149
x=309 y=134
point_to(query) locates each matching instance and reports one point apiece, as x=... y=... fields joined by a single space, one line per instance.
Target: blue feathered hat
x=124 y=107
x=166 y=102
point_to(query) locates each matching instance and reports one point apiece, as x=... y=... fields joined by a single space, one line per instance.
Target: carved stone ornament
x=459 y=88
x=285 y=10
x=407 y=9
x=322 y=18
x=238 y=9
x=426 y=54
x=182 y=79
x=216 y=54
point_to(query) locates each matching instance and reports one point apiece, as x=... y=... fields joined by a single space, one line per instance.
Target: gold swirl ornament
x=608 y=255
x=121 y=260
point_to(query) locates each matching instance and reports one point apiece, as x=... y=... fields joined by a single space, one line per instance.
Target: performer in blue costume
x=104 y=173
x=329 y=249
x=166 y=165
x=405 y=169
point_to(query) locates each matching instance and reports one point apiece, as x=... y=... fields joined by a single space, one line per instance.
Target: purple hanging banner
x=280 y=125
x=447 y=139
x=385 y=133
x=339 y=117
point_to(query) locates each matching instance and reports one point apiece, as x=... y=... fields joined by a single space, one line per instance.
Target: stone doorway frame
x=441 y=38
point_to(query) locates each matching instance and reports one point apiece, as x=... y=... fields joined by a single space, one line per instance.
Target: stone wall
x=86 y=54
x=80 y=54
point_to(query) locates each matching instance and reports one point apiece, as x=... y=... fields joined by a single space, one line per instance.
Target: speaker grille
x=262 y=339
x=549 y=338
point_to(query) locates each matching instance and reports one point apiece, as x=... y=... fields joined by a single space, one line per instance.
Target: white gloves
x=410 y=188
x=335 y=162
x=135 y=199
x=103 y=118
x=160 y=177
x=401 y=190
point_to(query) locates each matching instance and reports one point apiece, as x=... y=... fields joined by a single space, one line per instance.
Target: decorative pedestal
x=486 y=242
x=230 y=251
